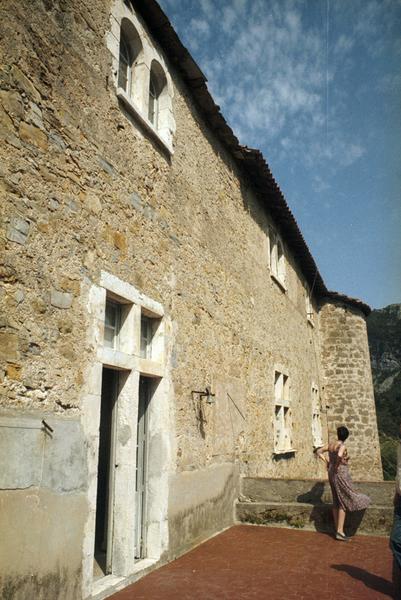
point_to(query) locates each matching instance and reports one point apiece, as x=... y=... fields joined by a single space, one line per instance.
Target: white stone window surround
x=317 y=435
x=282 y=417
x=126 y=359
x=277 y=264
x=137 y=103
x=310 y=313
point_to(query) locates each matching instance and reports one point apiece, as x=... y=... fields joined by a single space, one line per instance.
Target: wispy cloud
x=277 y=71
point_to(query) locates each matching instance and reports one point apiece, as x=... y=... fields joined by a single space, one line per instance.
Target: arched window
x=130 y=48
x=153 y=105
x=277 y=258
x=280 y=261
x=125 y=65
x=157 y=90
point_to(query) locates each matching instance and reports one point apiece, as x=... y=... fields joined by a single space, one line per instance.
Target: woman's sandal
x=342 y=537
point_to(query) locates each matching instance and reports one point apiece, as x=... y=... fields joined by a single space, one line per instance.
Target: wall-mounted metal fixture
x=46 y=428
x=210 y=398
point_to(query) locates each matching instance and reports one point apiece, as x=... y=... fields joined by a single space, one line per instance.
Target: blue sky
x=316 y=86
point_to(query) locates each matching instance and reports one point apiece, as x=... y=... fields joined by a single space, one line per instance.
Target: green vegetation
x=388 y=447
x=384 y=333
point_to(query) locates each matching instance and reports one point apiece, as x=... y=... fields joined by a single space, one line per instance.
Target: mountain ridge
x=384 y=336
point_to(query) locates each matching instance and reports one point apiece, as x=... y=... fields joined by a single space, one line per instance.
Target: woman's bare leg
x=335 y=518
x=340 y=522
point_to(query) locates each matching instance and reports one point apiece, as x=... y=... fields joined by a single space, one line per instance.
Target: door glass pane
x=140 y=476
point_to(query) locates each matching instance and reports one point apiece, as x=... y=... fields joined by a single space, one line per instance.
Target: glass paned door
x=141 y=465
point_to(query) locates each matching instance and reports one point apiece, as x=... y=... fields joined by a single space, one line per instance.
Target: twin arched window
x=144 y=81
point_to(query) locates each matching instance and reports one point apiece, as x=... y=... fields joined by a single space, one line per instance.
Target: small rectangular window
x=316 y=419
x=309 y=306
x=277 y=258
x=146 y=337
x=112 y=324
x=282 y=413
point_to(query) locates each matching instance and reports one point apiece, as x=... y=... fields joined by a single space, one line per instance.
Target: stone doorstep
x=309 y=491
x=377 y=520
x=110 y=584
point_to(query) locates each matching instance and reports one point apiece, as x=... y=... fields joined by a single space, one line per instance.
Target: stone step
x=376 y=520
x=309 y=491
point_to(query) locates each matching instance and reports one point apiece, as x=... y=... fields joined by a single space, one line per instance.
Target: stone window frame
x=126 y=357
x=309 y=309
x=277 y=262
x=282 y=415
x=147 y=61
x=317 y=429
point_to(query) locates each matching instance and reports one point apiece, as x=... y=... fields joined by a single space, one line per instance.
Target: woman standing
x=345 y=498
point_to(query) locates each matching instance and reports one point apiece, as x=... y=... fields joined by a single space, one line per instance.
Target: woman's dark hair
x=342 y=433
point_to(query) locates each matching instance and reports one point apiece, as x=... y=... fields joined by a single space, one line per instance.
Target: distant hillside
x=384 y=334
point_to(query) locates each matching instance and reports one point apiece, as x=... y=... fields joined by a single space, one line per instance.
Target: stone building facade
x=164 y=328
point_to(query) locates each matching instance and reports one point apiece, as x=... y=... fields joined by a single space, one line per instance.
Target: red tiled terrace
x=257 y=563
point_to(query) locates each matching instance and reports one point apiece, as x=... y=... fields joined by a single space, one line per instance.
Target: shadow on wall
x=374 y=582
x=321 y=515
x=314 y=495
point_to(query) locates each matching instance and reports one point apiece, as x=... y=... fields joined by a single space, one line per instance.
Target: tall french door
x=141 y=465
x=106 y=473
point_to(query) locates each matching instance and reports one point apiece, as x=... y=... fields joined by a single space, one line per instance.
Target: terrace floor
x=253 y=563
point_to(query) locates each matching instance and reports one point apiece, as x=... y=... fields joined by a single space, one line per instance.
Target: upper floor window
x=144 y=86
x=277 y=259
x=158 y=96
x=129 y=51
x=125 y=66
x=282 y=414
x=152 y=111
x=317 y=434
x=112 y=324
x=309 y=307
x=146 y=337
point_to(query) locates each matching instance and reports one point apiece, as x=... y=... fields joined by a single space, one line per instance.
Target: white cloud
x=200 y=27
x=207 y=6
x=230 y=15
x=266 y=63
x=350 y=153
x=343 y=45
x=321 y=185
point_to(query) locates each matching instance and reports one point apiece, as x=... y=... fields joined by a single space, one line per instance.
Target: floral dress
x=344 y=494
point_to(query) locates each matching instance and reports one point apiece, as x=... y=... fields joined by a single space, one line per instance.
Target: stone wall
x=348 y=387
x=43 y=507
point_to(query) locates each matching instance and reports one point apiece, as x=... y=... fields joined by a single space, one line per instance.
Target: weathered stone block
x=18 y=230
x=60 y=299
x=8 y=274
x=12 y=103
x=23 y=83
x=8 y=346
x=33 y=135
x=6 y=124
x=136 y=201
x=14 y=371
x=93 y=203
x=34 y=116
